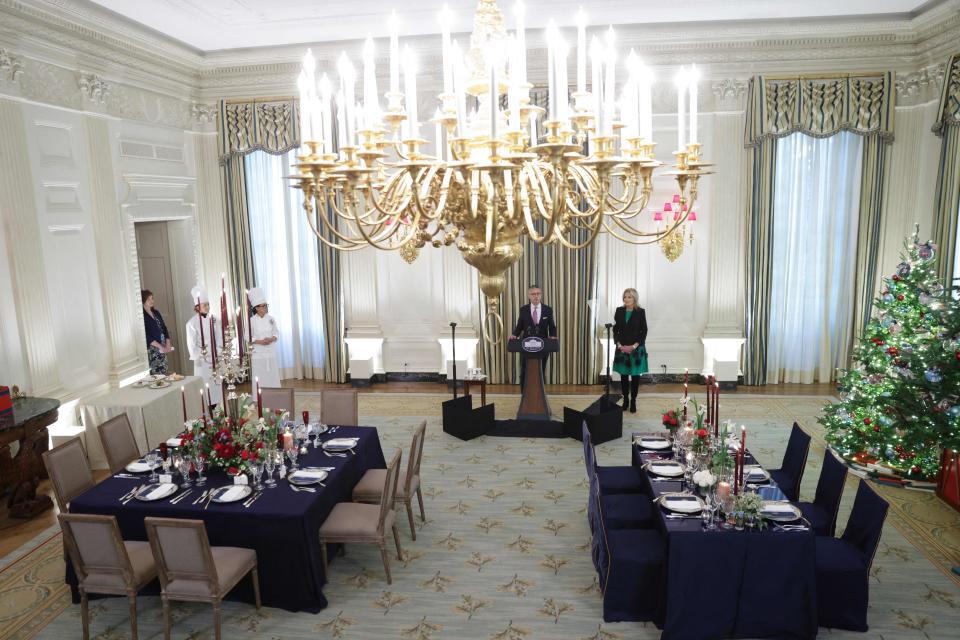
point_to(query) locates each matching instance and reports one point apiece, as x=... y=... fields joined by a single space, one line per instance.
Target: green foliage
x=898 y=405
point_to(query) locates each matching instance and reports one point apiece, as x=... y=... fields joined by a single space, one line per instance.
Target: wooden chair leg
x=323 y=556
x=256 y=585
x=133 y=616
x=85 y=615
x=396 y=538
x=423 y=515
x=166 y=618
x=413 y=530
x=386 y=561
x=216 y=620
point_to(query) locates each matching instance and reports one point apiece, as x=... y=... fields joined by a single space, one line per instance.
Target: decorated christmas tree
x=899 y=403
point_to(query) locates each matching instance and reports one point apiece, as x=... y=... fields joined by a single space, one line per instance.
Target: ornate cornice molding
x=920 y=86
x=203 y=113
x=729 y=94
x=11 y=67
x=94 y=88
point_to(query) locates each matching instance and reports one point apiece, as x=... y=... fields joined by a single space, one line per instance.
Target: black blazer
x=633 y=332
x=546 y=327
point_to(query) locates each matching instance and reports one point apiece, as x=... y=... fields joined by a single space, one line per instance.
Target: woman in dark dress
x=630 y=334
x=158 y=338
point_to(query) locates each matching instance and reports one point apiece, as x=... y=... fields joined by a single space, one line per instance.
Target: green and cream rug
x=504 y=553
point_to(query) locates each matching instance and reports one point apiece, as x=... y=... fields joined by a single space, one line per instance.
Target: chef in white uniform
x=263 y=360
x=202 y=366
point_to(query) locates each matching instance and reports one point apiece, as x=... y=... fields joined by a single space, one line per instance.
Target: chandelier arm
x=356 y=223
x=308 y=211
x=653 y=236
x=594 y=231
x=398 y=211
x=530 y=225
x=444 y=192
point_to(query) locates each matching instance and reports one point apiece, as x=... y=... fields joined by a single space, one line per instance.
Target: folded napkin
x=653 y=443
x=156 y=492
x=778 y=508
x=233 y=493
x=681 y=499
x=310 y=474
x=342 y=442
x=138 y=466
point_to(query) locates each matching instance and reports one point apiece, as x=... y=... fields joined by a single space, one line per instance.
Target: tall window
x=815 y=212
x=286 y=264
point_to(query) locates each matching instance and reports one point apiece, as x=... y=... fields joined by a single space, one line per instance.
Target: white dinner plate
x=340 y=444
x=780 y=511
x=159 y=384
x=303 y=477
x=154 y=377
x=681 y=502
x=231 y=493
x=139 y=466
x=656 y=444
x=665 y=468
x=139 y=384
x=156 y=491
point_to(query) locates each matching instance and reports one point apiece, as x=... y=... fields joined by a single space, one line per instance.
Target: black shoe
x=633 y=405
x=626 y=402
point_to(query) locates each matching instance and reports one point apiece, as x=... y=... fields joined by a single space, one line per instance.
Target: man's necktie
x=536 y=315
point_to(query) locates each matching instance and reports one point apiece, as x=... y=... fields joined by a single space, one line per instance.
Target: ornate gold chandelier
x=492 y=177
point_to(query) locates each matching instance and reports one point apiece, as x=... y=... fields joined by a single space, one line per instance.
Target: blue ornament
x=886 y=322
x=886 y=421
x=932 y=376
x=888 y=297
x=954 y=411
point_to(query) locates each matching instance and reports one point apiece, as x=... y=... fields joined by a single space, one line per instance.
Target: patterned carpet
x=504 y=552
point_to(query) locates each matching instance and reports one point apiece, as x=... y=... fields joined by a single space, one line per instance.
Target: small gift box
x=6 y=407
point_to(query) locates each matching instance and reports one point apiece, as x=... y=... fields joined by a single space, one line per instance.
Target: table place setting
x=665 y=468
x=652 y=443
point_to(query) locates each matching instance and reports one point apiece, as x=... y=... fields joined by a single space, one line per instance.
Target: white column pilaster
x=19 y=214
x=723 y=335
x=211 y=235
x=363 y=335
x=120 y=308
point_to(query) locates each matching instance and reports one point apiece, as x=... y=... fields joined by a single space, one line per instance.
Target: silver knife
x=252 y=500
x=180 y=497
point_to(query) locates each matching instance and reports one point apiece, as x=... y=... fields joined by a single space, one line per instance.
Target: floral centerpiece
x=704 y=480
x=750 y=505
x=671 y=420
x=233 y=444
x=701 y=442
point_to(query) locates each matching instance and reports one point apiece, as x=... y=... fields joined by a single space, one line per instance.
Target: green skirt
x=631 y=364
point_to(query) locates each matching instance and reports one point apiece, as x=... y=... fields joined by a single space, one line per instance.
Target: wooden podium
x=533 y=350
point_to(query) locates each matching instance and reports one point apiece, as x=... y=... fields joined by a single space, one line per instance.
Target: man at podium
x=536 y=319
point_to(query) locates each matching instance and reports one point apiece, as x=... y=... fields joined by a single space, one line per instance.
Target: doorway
x=167 y=270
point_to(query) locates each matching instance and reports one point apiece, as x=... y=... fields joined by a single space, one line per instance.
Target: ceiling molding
x=153 y=78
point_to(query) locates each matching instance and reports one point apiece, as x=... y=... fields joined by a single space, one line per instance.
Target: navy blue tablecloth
x=282 y=526
x=732 y=584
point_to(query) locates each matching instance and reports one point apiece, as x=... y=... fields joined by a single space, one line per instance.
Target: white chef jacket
x=202 y=367
x=264 y=363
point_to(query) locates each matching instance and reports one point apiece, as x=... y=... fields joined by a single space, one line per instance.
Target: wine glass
x=292 y=453
x=184 y=466
x=269 y=464
x=257 y=469
x=199 y=463
x=152 y=459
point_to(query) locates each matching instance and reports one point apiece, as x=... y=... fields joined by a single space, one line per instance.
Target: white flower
x=704 y=478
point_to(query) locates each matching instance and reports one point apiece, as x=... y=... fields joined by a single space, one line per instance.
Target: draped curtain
x=569 y=281
x=947 y=194
x=272 y=126
x=816 y=192
x=817 y=107
x=285 y=260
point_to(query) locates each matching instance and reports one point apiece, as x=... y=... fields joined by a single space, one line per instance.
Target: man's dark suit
x=545 y=328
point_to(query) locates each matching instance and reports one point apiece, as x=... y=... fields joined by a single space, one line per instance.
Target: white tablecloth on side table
x=154 y=414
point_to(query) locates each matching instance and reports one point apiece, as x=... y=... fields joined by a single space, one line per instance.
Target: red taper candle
x=203 y=407
x=200 y=318
x=183 y=400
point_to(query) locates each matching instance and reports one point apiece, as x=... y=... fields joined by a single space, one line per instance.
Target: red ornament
x=900 y=297
x=956 y=354
x=896 y=278
x=915 y=470
x=867 y=421
x=898 y=448
x=893 y=351
x=876 y=428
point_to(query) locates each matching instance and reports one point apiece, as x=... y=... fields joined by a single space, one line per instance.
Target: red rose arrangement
x=671 y=419
x=233 y=444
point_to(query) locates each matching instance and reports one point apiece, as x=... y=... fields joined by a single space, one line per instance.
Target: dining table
x=282 y=525
x=729 y=583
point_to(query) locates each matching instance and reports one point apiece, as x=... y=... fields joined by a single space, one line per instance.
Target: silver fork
x=180 y=497
x=132 y=495
x=202 y=497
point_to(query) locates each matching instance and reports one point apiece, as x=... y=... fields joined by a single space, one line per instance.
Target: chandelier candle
x=394 y=53
x=410 y=80
x=609 y=91
x=445 y=19
x=520 y=14
x=693 y=78
x=681 y=82
x=371 y=106
x=581 y=51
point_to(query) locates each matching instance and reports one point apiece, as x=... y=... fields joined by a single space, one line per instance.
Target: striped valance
x=268 y=125
x=949 y=110
x=820 y=107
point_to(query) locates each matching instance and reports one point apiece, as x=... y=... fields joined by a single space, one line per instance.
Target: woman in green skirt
x=630 y=334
